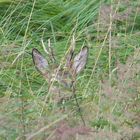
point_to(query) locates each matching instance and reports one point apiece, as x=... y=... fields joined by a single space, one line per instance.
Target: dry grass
x=108 y=90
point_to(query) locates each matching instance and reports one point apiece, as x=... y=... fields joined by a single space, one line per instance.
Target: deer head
x=64 y=76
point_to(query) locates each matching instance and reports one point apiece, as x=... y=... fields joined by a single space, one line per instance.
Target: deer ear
x=80 y=60
x=39 y=61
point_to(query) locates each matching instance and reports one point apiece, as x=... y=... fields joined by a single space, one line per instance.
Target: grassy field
x=108 y=90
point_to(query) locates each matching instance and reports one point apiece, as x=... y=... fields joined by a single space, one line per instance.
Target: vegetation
x=108 y=90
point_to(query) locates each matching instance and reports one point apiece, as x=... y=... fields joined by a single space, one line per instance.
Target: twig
x=77 y=104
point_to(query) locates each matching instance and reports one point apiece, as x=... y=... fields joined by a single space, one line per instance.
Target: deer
x=61 y=79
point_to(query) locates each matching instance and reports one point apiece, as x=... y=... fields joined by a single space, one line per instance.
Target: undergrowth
x=108 y=90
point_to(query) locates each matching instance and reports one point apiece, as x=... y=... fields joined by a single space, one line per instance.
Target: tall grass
x=108 y=89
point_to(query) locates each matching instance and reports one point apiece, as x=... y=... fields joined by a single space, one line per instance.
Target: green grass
x=108 y=103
